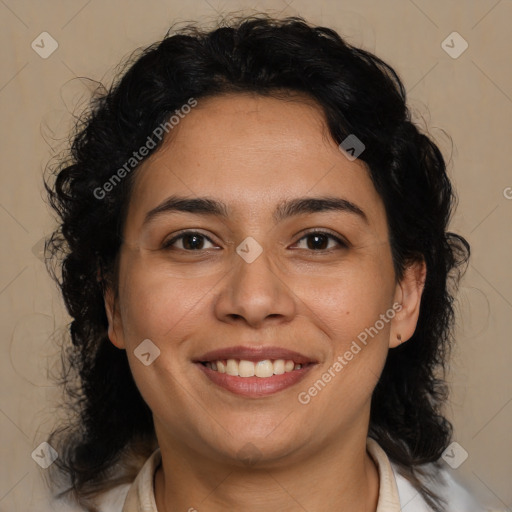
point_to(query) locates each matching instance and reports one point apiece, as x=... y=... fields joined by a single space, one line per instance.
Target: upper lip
x=255 y=354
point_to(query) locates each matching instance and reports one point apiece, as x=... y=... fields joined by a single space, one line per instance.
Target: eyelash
x=168 y=244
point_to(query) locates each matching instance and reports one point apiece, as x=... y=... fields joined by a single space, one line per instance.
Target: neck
x=342 y=476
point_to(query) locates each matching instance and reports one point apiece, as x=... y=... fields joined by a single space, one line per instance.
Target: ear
x=408 y=294
x=115 y=329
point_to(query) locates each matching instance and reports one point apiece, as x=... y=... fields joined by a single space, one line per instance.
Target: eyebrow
x=285 y=209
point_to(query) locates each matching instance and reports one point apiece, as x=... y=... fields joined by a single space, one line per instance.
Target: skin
x=252 y=152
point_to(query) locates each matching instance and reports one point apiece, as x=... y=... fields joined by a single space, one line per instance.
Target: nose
x=255 y=293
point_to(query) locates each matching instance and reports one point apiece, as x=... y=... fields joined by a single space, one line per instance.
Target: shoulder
x=444 y=484
x=127 y=497
x=113 y=500
x=110 y=501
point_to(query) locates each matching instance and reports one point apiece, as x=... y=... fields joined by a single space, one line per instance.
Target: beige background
x=469 y=97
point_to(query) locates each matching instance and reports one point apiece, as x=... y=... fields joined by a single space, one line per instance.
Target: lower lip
x=255 y=387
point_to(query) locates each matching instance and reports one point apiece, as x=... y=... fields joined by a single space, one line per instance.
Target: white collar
x=141 y=494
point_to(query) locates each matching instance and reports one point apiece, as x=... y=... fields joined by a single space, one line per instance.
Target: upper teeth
x=243 y=368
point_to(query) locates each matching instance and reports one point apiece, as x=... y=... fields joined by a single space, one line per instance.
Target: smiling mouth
x=244 y=368
x=254 y=379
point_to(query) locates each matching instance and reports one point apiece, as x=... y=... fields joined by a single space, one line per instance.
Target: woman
x=256 y=260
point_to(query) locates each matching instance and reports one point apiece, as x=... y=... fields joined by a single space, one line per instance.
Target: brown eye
x=190 y=241
x=319 y=241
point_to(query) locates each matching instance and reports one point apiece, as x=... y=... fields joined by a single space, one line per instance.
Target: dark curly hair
x=109 y=431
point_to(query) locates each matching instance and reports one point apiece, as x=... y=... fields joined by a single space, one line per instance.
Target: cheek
x=347 y=302
x=347 y=307
x=159 y=306
x=166 y=311
x=356 y=353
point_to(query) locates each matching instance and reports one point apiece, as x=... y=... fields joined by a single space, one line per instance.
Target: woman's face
x=253 y=281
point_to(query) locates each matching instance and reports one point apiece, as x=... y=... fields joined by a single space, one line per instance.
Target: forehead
x=252 y=151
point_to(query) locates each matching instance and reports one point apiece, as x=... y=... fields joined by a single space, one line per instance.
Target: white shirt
x=396 y=494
